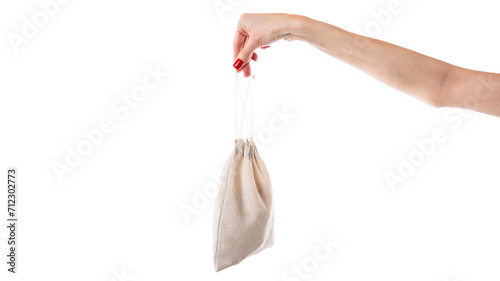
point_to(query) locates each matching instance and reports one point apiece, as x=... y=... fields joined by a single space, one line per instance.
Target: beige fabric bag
x=243 y=218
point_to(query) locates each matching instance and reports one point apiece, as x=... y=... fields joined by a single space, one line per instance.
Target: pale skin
x=430 y=80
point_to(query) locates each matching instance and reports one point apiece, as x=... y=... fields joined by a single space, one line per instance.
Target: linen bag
x=243 y=218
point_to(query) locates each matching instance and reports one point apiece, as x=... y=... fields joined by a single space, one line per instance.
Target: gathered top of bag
x=246 y=146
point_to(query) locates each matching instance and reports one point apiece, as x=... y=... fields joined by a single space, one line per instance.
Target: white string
x=251 y=105
x=236 y=86
x=244 y=102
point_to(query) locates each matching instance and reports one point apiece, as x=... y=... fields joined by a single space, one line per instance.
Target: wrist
x=298 y=28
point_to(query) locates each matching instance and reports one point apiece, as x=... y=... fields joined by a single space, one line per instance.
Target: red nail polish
x=238 y=63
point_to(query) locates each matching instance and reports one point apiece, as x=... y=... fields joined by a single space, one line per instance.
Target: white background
x=116 y=215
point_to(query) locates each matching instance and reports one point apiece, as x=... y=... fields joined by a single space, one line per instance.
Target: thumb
x=245 y=55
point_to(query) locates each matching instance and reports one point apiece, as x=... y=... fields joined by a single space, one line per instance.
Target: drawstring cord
x=244 y=102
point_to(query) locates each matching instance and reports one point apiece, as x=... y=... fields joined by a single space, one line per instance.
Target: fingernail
x=237 y=64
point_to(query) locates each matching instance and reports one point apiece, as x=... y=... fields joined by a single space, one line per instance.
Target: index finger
x=239 y=41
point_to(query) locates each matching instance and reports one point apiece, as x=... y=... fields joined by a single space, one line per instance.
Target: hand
x=259 y=31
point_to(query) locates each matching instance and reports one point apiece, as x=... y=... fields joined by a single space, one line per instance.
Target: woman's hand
x=259 y=31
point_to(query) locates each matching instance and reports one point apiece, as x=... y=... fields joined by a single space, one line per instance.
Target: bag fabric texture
x=243 y=218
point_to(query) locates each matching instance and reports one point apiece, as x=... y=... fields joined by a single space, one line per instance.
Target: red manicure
x=238 y=63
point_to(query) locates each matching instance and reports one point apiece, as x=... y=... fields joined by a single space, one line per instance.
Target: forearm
x=410 y=72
